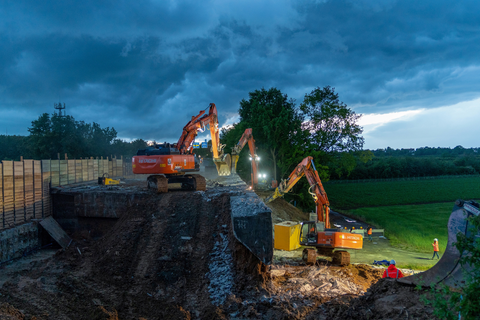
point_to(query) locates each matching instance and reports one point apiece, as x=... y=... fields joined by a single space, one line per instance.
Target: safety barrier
x=375 y=232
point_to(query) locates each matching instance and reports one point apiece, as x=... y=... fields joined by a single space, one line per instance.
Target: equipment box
x=287 y=236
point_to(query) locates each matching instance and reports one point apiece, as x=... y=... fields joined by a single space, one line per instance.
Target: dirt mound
x=299 y=292
x=157 y=260
x=8 y=312
x=387 y=299
x=282 y=210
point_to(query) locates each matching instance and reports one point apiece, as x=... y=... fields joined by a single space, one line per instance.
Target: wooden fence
x=25 y=185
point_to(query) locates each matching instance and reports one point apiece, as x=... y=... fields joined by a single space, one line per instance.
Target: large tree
x=331 y=125
x=50 y=135
x=275 y=122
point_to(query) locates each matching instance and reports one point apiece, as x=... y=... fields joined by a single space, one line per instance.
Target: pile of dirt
x=299 y=292
x=9 y=312
x=282 y=210
x=386 y=299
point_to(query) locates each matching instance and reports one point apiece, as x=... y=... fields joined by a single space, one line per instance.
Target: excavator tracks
x=158 y=182
x=200 y=182
x=341 y=258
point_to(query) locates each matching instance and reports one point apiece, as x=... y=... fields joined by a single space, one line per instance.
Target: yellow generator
x=287 y=235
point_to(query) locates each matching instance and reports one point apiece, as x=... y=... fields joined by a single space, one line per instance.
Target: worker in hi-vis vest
x=435 y=248
x=369 y=233
x=392 y=271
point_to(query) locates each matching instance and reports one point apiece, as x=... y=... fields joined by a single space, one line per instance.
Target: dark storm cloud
x=145 y=67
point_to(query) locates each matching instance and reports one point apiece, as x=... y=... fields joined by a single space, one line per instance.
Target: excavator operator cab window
x=197 y=162
x=308 y=233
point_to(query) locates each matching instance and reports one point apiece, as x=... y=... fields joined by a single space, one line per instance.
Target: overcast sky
x=412 y=68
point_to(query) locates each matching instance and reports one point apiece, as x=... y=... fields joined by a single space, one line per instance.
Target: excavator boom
x=190 y=131
x=247 y=137
x=306 y=168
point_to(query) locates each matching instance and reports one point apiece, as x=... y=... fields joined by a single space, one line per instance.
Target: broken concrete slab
x=252 y=222
x=56 y=232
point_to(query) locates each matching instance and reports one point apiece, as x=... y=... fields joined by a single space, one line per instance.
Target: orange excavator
x=246 y=137
x=173 y=163
x=317 y=234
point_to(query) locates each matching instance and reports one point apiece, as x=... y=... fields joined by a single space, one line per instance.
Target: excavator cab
x=308 y=233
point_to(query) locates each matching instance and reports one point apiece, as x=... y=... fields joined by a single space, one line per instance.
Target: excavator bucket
x=448 y=270
x=234 y=162
x=224 y=166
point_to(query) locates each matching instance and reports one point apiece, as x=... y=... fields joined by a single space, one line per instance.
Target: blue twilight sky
x=412 y=68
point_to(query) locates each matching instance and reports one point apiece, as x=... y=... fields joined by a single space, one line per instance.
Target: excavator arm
x=247 y=137
x=190 y=131
x=307 y=168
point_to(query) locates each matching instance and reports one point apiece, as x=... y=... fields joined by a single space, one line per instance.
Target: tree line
x=323 y=127
x=422 y=162
x=51 y=135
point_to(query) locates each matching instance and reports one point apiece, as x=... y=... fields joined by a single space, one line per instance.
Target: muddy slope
x=170 y=257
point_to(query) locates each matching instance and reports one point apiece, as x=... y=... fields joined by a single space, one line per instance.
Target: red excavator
x=318 y=234
x=173 y=163
x=246 y=137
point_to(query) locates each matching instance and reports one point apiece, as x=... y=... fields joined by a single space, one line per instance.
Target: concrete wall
x=16 y=241
x=251 y=220
x=75 y=210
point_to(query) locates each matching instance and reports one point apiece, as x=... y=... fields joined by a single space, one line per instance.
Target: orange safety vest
x=369 y=231
x=435 y=246
x=392 y=272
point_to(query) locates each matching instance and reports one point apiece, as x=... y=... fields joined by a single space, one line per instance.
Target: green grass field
x=411 y=227
x=389 y=193
x=412 y=213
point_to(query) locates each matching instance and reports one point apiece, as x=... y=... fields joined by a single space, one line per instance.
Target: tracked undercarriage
x=160 y=183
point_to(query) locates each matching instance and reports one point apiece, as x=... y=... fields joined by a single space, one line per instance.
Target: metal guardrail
x=375 y=232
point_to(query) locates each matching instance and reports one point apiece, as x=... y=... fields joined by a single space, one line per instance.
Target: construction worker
x=435 y=248
x=392 y=271
x=369 y=233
